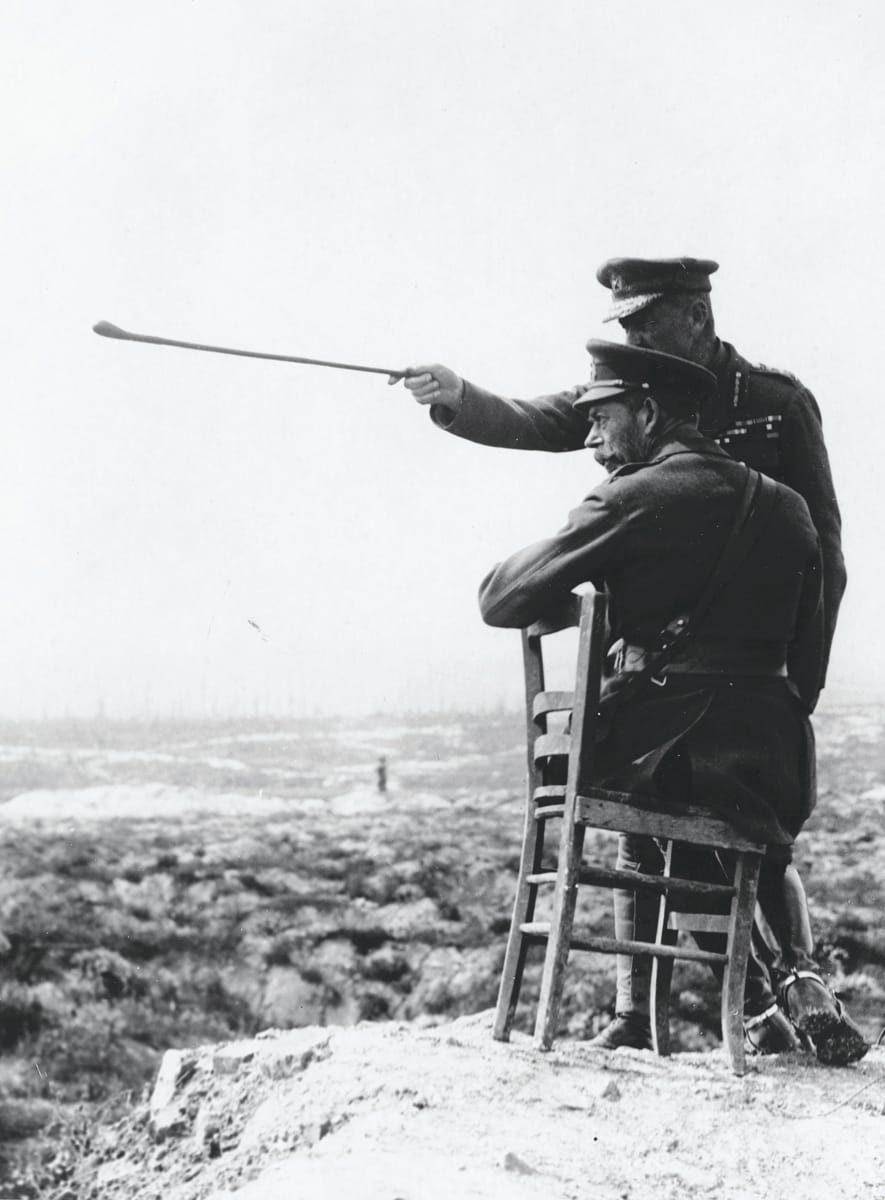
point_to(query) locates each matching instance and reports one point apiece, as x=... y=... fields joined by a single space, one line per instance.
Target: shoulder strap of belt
x=756 y=502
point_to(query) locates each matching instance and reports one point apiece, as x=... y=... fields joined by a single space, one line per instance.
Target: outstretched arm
x=460 y=407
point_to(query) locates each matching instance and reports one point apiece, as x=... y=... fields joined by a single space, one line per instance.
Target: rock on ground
x=401 y=1112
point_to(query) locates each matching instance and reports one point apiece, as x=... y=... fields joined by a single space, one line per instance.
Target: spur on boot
x=770 y=1032
x=632 y=1030
x=820 y=1016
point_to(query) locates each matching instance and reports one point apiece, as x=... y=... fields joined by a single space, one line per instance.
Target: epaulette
x=762 y=369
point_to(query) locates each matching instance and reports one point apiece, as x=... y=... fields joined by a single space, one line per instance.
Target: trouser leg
x=707 y=866
x=635 y=920
x=785 y=907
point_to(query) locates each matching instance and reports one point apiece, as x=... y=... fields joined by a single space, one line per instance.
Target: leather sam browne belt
x=708 y=656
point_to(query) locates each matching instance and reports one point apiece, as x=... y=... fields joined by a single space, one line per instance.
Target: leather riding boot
x=817 y=1014
x=820 y=1016
x=631 y=1030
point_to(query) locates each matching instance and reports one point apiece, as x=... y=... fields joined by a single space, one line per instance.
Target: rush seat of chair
x=720 y=913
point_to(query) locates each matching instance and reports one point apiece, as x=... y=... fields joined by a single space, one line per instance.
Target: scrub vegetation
x=172 y=885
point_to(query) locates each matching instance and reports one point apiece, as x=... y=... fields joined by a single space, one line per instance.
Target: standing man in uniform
x=762 y=417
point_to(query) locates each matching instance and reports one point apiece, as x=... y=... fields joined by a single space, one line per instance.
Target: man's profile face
x=616 y=435
x=663 y=326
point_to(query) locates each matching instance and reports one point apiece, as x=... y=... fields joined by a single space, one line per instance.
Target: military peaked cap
x=637 y=282
x=618 y=370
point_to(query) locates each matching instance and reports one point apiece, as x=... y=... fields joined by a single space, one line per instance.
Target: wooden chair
x=577 y=804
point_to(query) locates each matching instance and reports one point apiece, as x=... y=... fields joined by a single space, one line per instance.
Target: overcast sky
x=393 y=182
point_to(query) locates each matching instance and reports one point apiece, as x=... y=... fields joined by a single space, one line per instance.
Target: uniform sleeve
x=805 y=655
x=531 y=582
x=805 y=467
x=546 y=423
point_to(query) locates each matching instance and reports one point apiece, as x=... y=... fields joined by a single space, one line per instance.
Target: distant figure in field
x=381 y=772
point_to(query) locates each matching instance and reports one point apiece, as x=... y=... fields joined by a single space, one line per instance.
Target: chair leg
x=746 y=879
x=559 y=941
x=517 y=943
x=662 y=971
x=661 y=981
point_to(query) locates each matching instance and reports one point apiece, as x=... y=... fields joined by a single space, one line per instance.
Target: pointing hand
x=435 y=384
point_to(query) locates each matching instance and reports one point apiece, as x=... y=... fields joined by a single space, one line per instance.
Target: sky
x=395 y=183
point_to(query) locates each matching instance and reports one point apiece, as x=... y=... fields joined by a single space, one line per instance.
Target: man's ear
x=698 y=315
x=650 y=414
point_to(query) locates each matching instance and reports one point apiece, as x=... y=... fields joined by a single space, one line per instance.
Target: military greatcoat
x=762 y=417
x=650 y=535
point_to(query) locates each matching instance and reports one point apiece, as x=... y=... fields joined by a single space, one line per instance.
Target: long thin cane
x=106 y=329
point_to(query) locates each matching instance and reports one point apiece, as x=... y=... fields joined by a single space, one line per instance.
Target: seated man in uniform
x=729 y=728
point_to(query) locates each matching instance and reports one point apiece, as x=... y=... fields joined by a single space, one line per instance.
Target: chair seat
x=628 y=814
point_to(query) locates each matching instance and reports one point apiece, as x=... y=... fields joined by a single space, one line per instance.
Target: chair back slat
x=533 y=672
x=552 y=702
x=588 y=680
x=549 y=744
x=538 y=703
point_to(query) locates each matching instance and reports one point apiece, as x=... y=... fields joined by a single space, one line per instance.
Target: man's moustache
x=609 y=462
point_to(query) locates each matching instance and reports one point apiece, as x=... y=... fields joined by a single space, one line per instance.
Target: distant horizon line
x=835 y=694
x=509 y=710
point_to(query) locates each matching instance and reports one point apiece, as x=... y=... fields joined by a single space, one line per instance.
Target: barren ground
x=185 y=885
x=395 y=1112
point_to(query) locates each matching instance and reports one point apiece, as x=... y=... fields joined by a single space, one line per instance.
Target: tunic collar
x=680 y=439
x=684 y=439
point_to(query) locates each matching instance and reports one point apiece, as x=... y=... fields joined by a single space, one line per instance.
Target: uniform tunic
x=762 y=417
x=650 y=535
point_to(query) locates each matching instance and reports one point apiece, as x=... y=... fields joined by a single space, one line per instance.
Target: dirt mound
x=387 y=1111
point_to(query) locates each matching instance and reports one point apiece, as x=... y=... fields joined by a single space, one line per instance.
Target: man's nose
x=636 y=337
x=592 y=440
